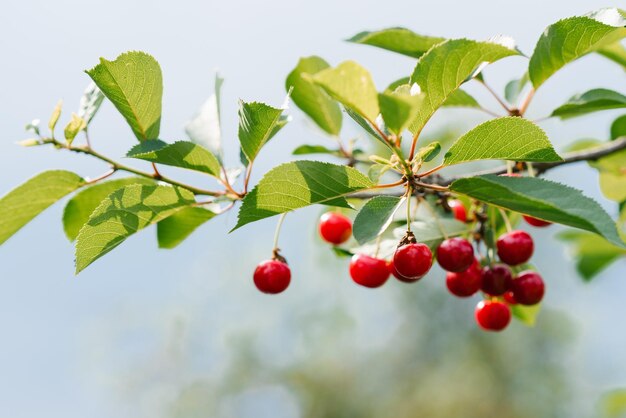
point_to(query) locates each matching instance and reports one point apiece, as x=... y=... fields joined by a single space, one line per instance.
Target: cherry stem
x=408 y=209
x=431 y=171
x=277 y=232
x=378 y=240
x=509 y=167
x=103 y=176
x=524 y=105
x=390 y=185
x=157 y=175
x=506 y=220
x=431 y=186
x=495 y=95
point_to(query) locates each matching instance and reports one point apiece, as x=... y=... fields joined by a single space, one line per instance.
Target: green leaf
x=526 y=314
x=614 y=163
x=174 y=229
x=460 y=98
x=542 y=199
x=613 y=186
x=205 y=127
x=123 y=213
x=400 y=40
x=592 y=253
x=398 y=110
x=613 y=404
x=446 y=66
x=258 y=123
x=376 y=171
x=298 y=184
x=366 y=125
x=570 y=39
x=134 y=84
x=429 y=152
x=507 y=138
x=56 y=114
x=81 y=205
x=615 y=52
x=618 y=127
x=311 y=98
x=23 y=203
x=513 y=88
x=72 y=129
x=314 y=149
x=33 y=126
x=351 y=85
x=181 y=154
x=374 y=217
x=90 y=102
x=400 y=82
x=589 y=102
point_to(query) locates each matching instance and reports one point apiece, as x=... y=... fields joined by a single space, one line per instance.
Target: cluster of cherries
x=412 y=261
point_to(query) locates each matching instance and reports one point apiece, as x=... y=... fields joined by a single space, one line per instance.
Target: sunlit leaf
x=134 y=84
x=507 y=138
x=25 y=202
x=570 y=39
x=351 y=85
x=181 y=154
x=311 y=98
x=123 y=213
x=81 y=205
x=400 y=40
x=298 y=184
x=446 y=66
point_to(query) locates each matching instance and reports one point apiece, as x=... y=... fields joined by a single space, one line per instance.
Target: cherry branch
x=440 y=183
x=115 y=166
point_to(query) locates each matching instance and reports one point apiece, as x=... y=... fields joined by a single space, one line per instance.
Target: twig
x=495 y=95
x=117 y=166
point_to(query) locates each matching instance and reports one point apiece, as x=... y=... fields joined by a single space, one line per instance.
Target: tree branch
x=540 y=168
x=592 y=154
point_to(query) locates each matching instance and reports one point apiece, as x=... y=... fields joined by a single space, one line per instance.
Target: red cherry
x=465 y=283
x=272 y=276
x=455 y=254
x=492 y=315
x=413 y=261
x=536 y=222
x=509 y=297
x=368 y=271
x=392 y=269
x=335 y=228
x=528 y=288
x=496 y=279
x=460 y=214
x=515 y=247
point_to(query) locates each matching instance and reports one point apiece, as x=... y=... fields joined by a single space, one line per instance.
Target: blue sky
x=67 y=340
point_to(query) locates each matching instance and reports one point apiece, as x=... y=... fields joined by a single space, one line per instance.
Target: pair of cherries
x=273 y=276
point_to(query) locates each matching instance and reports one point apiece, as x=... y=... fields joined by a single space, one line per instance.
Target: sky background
x=100 y=344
